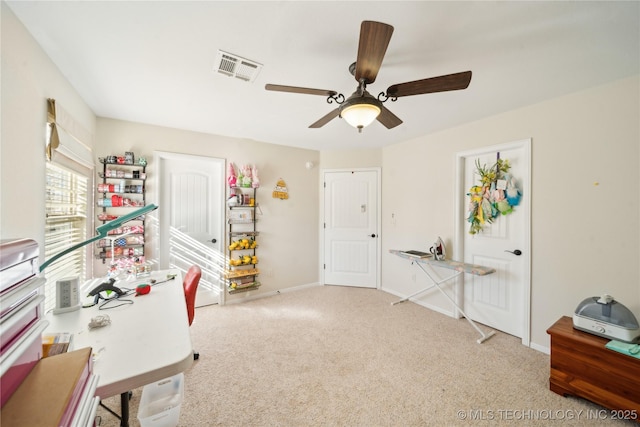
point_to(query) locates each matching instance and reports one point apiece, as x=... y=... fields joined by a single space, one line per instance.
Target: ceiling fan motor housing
x=358 y=99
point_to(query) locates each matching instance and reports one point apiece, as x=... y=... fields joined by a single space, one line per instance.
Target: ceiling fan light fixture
x=360 y=114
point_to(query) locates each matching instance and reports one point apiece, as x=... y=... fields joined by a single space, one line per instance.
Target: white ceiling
x=153 y=61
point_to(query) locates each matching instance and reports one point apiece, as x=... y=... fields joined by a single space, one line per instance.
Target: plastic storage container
x=160 y=402
x=18 y=262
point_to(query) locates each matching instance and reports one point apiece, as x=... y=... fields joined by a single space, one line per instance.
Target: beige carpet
x=339 y=356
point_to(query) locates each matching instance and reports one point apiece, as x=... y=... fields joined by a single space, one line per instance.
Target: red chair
x=190 y=284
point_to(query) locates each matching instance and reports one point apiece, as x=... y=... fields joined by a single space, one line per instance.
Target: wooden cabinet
x=582 y=366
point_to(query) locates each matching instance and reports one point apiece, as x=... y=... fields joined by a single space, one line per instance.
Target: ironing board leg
x=436 y=283
x=425 y=289
x=412 y=295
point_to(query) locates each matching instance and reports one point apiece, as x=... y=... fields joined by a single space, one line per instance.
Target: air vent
x=235 y=66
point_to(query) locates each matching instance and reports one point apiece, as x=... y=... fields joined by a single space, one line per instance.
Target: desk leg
x=124 y=409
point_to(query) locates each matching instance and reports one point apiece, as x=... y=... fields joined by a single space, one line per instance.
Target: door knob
x=517 y=252
x=214 y=240
x=373 y=235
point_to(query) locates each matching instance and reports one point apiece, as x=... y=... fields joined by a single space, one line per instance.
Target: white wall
x=288 y=228
x=345 y=159
x=28 y=79
x=585 y=237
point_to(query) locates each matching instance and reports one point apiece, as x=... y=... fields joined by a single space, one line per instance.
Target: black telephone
x=107 y=286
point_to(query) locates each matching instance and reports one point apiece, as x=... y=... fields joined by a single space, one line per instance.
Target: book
x=55 y=343
x=416 y=254
x=629 y=349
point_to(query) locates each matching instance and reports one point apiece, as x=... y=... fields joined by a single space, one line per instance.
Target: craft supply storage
x=121 y=187
x=242 y=272
x=36 y=390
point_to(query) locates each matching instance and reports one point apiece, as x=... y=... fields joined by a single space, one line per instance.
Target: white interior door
x=502 y=299
x=351 y=228
x=191 y=212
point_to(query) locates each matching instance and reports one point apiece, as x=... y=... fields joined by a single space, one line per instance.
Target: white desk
x=146 y=341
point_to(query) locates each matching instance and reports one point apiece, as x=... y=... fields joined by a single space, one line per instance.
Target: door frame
x=460 y=228
x=159 y=157
x=321 y=232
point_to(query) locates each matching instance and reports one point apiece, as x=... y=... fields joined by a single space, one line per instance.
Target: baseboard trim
x=540 y=348
x=273 y=293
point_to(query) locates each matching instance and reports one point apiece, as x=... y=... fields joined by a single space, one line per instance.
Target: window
x=69 y=175
x=66 y=224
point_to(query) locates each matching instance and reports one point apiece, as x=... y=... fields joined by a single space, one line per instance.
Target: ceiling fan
x=361 y=108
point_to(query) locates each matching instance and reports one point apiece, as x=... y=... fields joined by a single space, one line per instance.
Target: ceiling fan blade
x=374 y=39
x=444 y=83
x=326 y=119
x=304 y=90
x=387 y=118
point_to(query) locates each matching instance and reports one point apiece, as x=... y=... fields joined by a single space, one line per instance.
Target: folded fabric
x=629 y=349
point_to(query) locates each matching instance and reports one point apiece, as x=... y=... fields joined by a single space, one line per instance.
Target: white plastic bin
x=160 y=402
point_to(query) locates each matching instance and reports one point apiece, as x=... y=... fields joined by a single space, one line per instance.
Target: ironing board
x=458 y=268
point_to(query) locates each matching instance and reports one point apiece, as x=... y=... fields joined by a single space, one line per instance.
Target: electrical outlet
x=413 y=277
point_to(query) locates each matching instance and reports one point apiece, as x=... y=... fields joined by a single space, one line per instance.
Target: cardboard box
x=51 y=393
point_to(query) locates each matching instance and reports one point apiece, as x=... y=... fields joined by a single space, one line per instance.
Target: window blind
x=66 y=216
x=65 y=139
x=69 y=175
